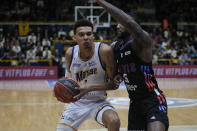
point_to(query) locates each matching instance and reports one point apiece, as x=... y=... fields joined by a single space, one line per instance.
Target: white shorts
x=76 y=113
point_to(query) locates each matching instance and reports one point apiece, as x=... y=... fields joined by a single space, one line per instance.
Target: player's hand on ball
x=83 y=90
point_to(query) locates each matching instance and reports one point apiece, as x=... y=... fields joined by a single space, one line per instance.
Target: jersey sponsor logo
x=131 y=87
x=84 y=74
x=126 y=82
x=92 y=63
x=127 y=53
x=145 y=69
x=127 y=68
x=76 y=65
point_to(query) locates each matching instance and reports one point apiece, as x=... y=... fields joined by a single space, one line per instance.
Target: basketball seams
x=67 y=89
x=71 y=85
x=67 y=86
x=66 y=78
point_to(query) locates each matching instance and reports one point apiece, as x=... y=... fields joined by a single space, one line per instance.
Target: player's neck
x=86 y=54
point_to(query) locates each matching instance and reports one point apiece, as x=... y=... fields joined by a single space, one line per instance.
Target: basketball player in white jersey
x=89 y=63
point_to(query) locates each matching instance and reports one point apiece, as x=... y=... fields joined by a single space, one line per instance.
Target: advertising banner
x=50 y=72
x=175 y=71
x=28 y=72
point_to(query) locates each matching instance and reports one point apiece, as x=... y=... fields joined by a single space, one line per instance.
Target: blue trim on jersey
x=128 y=42
x=100 y=110
x=100 y=57
x=71 y=56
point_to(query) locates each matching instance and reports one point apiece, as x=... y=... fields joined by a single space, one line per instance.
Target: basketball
x=64 y=90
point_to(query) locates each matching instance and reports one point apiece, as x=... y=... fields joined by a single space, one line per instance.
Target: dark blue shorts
x=148 y=110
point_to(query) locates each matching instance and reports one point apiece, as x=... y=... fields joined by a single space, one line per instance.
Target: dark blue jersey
x=138 y=75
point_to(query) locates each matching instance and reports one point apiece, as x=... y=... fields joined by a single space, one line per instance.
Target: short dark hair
x=82 y=22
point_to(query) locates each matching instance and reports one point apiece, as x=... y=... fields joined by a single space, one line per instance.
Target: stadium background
x=35 y=34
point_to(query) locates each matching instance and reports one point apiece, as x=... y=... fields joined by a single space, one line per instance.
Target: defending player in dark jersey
x=133 y=53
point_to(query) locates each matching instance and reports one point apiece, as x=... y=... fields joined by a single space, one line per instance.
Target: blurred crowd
x=58 y=10
x=173 y=42
x=170 y=43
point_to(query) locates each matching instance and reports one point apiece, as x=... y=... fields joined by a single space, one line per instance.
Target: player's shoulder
x=69 y=51
x=105 y=47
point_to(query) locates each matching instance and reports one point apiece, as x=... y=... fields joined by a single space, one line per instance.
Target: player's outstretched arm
x=143 y=41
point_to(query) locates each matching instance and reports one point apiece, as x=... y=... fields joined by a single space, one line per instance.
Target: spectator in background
x=2 y=53
x=46 y=42
x=2 y=40
x=32 y=37
x=191 y=49
x=52 y=33
x=183 y=58
x=38 y=49
x=16 y=48
x=57 y=62
x=63 y=65
x=7 y=48
x=30 y=54
x=29 y=45
x=39 y=38
x=40 y=3
x=39 y=32
x=22 y=59
x=54 y=37
x=158 y=38
x=61 y=33
x=71 y=34
x=56 y=57
x=166 y=34
x=39 y=52
x=46 y=53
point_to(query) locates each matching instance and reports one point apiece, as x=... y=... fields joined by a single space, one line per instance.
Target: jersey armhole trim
x=71 y=57
x=100 y=57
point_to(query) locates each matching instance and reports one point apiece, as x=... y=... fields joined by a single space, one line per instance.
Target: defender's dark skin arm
x=142 y=42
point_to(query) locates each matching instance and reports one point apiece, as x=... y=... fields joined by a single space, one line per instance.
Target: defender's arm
x=143 y=43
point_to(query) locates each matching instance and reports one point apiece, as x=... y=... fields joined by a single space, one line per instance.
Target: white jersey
x=93 y=104
x=88 y=72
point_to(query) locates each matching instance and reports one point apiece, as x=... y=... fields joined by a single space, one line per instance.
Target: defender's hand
x=117 y=80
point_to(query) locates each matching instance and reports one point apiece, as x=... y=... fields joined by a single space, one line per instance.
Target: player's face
x=84 y=37
x=122 y=32
x=120 y=29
